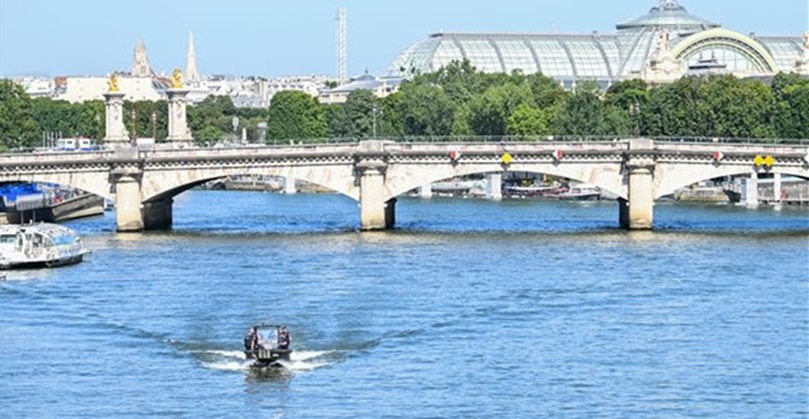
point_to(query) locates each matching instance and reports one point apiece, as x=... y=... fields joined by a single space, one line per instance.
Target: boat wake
x=236 y=361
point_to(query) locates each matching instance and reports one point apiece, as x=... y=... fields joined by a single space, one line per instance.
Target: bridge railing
x=466 y=139
x=540 y=139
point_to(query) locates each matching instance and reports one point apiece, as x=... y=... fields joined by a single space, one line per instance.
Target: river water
x=470 y=308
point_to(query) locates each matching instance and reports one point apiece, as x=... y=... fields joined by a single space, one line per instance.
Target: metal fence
x=539 y=139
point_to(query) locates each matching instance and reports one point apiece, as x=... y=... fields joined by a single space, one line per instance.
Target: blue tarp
x=11 y=191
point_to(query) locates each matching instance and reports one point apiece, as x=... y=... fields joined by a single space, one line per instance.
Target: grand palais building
x=660 y=46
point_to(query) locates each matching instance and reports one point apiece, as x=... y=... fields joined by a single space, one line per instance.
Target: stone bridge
x=143 y=182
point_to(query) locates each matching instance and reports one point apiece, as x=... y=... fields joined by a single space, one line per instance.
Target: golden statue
x=177 y=79
x=113 y=83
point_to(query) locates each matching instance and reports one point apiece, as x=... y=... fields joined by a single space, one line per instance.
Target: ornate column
x=637 y=213
x=178 y=135
x=116 y=135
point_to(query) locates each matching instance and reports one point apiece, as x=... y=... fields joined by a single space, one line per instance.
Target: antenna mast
x=341 y=45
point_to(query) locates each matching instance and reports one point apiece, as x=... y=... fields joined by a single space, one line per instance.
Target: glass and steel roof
x=614 y=56
x=563 y=56
x=669 y=14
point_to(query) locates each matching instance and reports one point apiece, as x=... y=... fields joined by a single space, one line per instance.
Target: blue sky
x=274 y=38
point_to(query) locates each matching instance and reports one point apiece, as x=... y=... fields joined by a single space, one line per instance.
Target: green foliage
x=426 y=109
x=147 y=119
x=18 y=128
x=295 y=115
x=716 y=106
x=362 y=111
x=392 y=124
x=337 y=123
x=208 y=136
x=490 y=111
x=57 y=116
x=456 y=100
x=792 y=117
x=630 y=95
x=528 y=121
x=546 y=91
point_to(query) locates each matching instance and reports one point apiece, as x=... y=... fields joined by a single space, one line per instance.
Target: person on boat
x=251 y=340
x=284 y=338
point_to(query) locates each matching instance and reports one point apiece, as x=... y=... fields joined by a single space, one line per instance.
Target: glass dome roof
x=670 y=14
x=623 y=54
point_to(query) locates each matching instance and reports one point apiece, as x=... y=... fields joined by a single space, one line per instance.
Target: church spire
x=140 y=64
x=191 y=62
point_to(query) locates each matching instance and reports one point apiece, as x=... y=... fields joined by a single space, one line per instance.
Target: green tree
x=426 y=110
x=56 y=116
x=528 y=121
x=674 y=110
x=586 y=113
x=90 y=120
x=490 y=111
x=459 y=79
x=362 y=112
x=783 y=80
x=460 y=124
x=792 y=118
x=17 y=125
x=208 y=136
x=546 y=91
x=737 y=108
x=337 y=123
x=148 y=119
x=392 y=117
x=295 y=115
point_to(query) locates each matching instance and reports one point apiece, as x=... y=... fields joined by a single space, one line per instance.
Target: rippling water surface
x=470 y=308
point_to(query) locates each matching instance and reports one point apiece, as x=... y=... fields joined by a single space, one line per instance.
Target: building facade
x=659 y=46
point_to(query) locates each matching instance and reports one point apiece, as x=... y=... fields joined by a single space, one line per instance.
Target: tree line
x=457 y=100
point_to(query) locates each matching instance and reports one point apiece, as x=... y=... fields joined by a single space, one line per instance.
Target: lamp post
x=375 y=110
x=154 y=125
x=134 y=114
x=634 y=110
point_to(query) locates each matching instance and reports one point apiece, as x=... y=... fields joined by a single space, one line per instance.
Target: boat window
x=62 y=240
x=8 y=238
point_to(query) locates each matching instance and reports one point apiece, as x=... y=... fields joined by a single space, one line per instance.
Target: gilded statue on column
x=177 y=79
x=113 y=83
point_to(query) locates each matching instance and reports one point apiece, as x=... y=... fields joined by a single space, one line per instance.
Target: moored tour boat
x=581 y=192
x=39 y=245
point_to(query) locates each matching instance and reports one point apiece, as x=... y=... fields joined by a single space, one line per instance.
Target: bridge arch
x=607 y=177
x=157 y=185
x=673 y=183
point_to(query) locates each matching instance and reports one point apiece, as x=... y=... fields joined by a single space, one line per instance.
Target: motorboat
x=39 y=245
x=268 y=345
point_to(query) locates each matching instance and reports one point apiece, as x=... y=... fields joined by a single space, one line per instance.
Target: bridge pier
x=157 y=215
x=375 y=212
x=494 y=186
x=128 y=216
x=290 y=186
x=637 y=213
